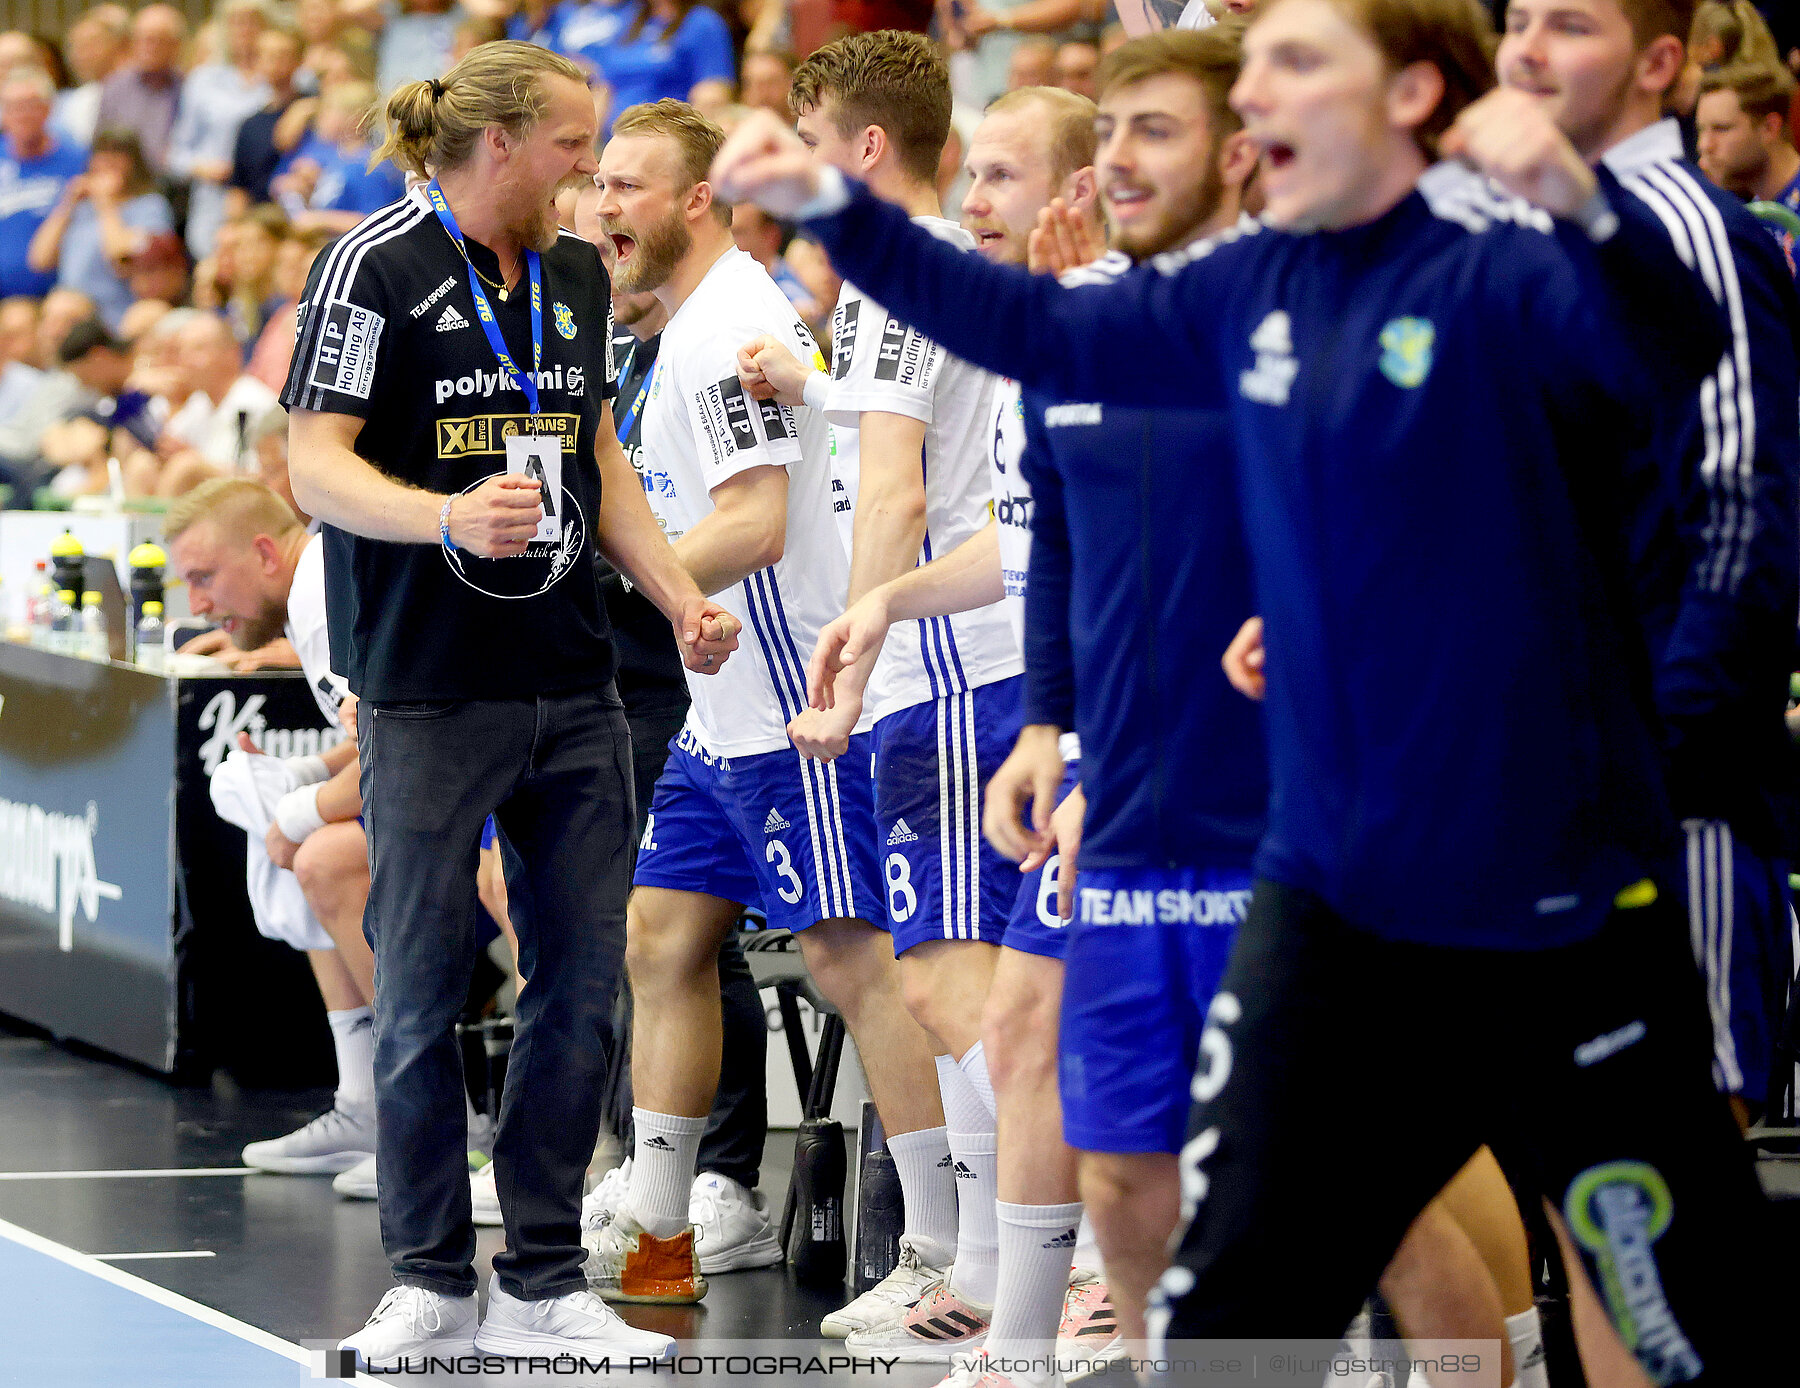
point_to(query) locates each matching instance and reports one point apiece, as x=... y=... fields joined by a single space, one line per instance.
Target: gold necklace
x=499 y=285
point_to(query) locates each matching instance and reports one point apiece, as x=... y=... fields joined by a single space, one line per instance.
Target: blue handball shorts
x=1145 y=954
x=1741 y=928
x=776 y=831
x=1035 y=928
x=932 y=764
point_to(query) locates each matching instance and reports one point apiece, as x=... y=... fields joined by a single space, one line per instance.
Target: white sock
x=353 y=1034
x=1087 y=1248
x=964 y=1111
x=1037 y=1245
x=969 y=1125
x=662 y=1172
x=1525 y=1332
x=977 y=1268
x=974 y=1067
x=928 y=1184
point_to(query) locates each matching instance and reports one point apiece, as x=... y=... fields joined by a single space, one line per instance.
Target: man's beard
x=1186 y=217
x=536 y=228
x=658 y=251
x=254 y=632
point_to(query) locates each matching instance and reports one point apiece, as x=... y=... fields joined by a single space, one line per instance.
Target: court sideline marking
x=162 y=1296
x=129 y=1172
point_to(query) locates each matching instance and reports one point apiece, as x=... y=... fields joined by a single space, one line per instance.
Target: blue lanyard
x=525 y=382
x=643 y=392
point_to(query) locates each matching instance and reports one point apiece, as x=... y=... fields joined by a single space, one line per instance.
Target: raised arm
x=1000 y=317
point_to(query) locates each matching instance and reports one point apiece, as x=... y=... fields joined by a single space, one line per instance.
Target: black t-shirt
x=650 y=670
x=388 y=332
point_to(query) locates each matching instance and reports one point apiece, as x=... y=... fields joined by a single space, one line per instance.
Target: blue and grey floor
x=136 y=1251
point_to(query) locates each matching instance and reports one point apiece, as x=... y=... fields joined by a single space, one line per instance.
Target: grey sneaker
x=336 y=1140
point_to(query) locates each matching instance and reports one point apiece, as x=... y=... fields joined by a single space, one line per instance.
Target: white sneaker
x=931 y=1331
x=601 y=1203
x=626 y=1263
x=415 y=1323
x=335 y=1141
x=735 y=1232
x=889 y=1299
x=484 y=1197
x=575 y=1323
x=358 y=1183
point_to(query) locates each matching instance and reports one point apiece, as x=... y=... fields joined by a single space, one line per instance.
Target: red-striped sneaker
x=1089 y=1337
x=931 y=1332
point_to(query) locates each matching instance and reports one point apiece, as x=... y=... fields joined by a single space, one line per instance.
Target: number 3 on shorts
x=777 y=854
x=902 y=899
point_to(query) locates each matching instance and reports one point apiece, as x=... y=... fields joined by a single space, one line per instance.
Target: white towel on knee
x=244 y=791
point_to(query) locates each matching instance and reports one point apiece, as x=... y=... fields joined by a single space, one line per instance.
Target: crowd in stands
x=165 y=187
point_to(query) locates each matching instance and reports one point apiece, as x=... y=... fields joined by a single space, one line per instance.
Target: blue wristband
x=444 y=526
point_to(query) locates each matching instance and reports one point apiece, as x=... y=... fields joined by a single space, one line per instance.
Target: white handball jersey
x=1196 y=16
x=701 y=428
x=1012 y=500
x=307 y=630
x=880 y=364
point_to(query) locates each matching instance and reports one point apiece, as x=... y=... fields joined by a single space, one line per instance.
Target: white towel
x=244 y=791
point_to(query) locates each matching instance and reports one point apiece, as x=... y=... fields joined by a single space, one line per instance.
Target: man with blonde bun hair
x=452 y=428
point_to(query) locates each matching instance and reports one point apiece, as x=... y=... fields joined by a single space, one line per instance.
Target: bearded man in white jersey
x=910 y=427
x=742 y=489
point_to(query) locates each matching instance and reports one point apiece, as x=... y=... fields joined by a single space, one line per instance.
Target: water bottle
x=37 y=607
x=69 y=563
x=148 y=648
x=94 y=643
x=146 y=561
x=816 y=1240
x=880 y=1220
x=65 y=622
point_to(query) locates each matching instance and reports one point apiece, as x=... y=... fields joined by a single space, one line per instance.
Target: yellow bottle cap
x=68 y=596
x=148 y=555
x=90 y=599
x=66 y=546
x=153 y=609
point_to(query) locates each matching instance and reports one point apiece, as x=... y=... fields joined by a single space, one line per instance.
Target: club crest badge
x=1406 y=351
x=565 y=320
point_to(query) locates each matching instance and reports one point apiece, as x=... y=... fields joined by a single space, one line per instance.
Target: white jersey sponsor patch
x=701 y=429
x=883 y=365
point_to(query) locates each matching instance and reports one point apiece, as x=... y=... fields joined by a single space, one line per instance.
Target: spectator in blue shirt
x=105 y=217
x=671 y=48
x=328 y=183
x=539 y=22
x=36 y=164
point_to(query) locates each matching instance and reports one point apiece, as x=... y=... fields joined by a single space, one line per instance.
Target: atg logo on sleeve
x=344 y=359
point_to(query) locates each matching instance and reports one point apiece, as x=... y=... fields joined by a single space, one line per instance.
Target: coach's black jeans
x=556 y=773
x=738 y=1126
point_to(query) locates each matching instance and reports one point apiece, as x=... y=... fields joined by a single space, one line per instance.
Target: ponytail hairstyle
x=433 y=126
